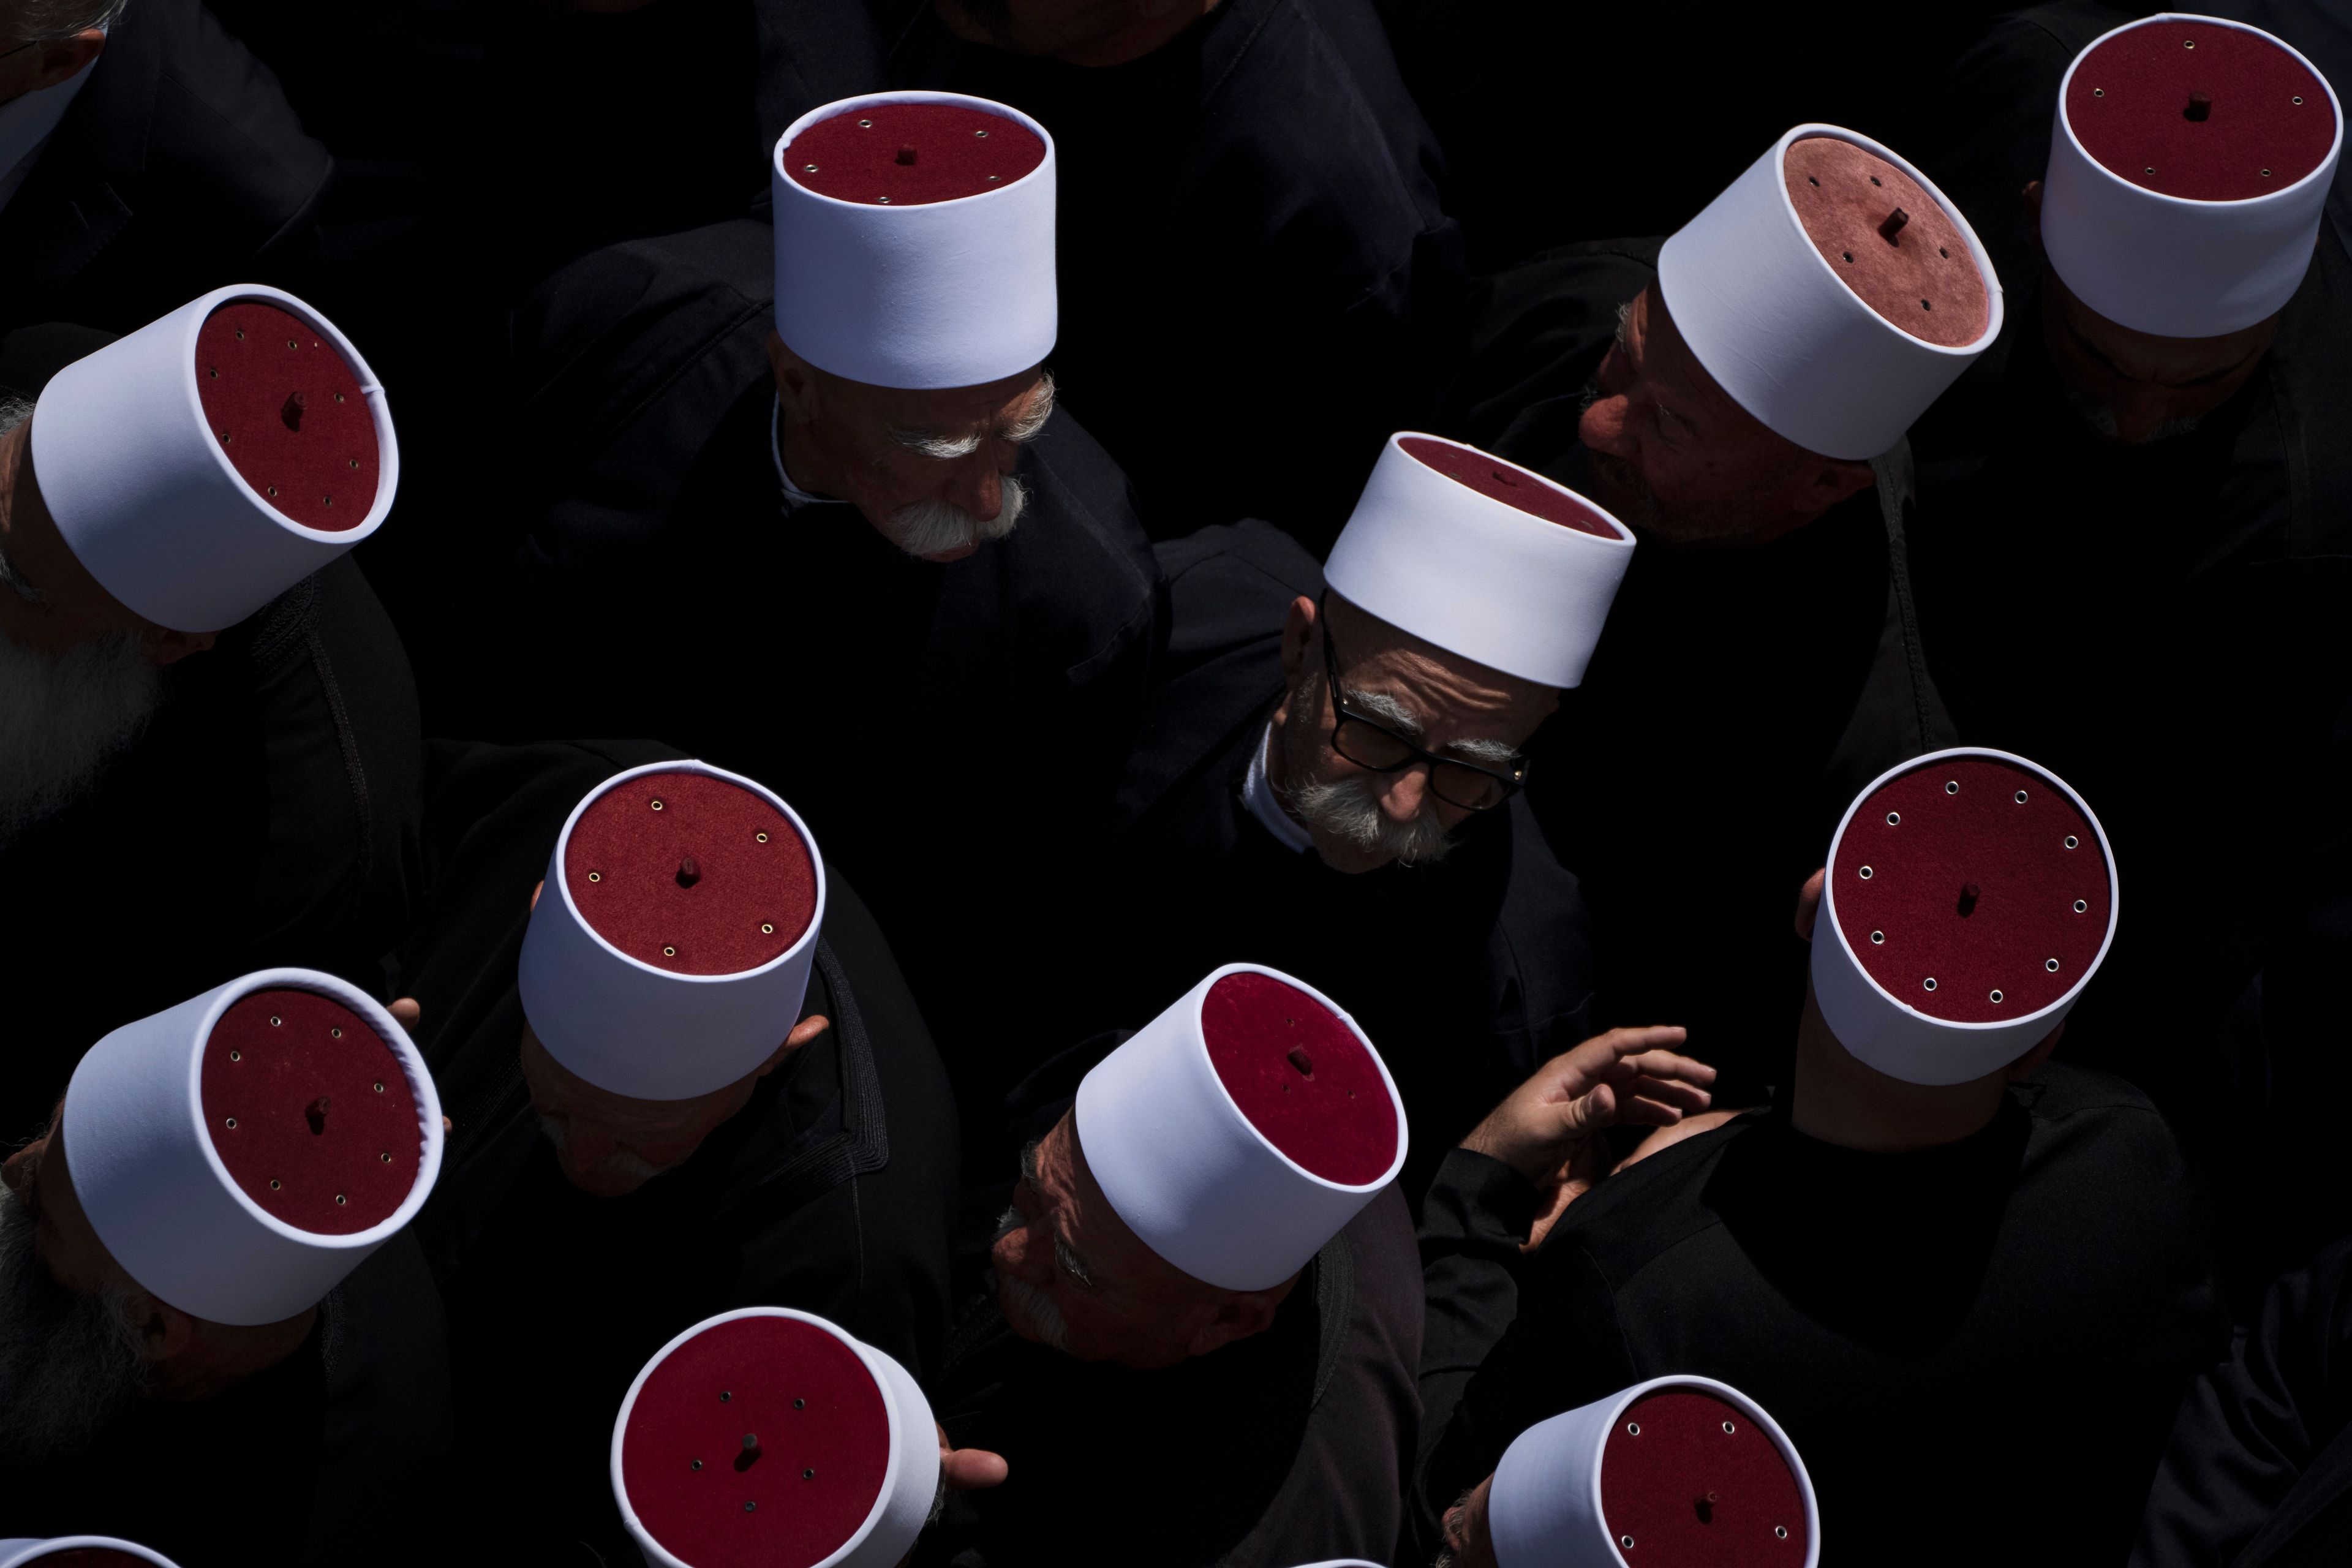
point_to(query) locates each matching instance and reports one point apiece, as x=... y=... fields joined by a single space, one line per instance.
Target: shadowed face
x=609 y=1144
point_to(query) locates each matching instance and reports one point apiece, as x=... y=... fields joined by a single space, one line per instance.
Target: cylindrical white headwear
x=2190 y=164
x=769 y=1435
x=671 y=945
x=212 y=460
x=1970 y=897
x=1610 y=1484
x=1483 y=558
x=240 y=1154
x=1242 y=1129
x=914 y=239
x=98 y=1551
x=1817 y=312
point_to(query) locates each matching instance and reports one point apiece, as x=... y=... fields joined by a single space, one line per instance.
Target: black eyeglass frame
x=1511 y=783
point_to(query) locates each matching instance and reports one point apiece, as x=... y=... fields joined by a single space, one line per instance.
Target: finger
x=972 y=1470
x=1588 y=1112
x=1667 y=1091
x=1668 y=1065
x=405 y=1012
x=1647 y=1113
x=808 y=1029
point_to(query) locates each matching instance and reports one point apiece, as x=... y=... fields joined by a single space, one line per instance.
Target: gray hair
x=46 y=21
x=14 y=411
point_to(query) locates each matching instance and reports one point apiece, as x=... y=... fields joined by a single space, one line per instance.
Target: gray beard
x=935 y=528
x=1024 y=1302
x=62 y=716
x=69 y=1363
x=1350 y=811
x=2102 y=418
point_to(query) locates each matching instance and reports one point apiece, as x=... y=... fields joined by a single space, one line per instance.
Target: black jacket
x=1258 y=279
x=178 y=168
x=1928 y=1327
x=832 y=1191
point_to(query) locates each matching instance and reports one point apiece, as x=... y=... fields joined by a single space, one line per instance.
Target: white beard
x=935 y=528
x=1023 y=1304
x=62 y=716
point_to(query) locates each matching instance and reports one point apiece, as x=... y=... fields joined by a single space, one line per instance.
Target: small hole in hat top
x=2021 y=797
x=2072 y=841
x=1813 y=179
x=1728 y=1428
x=808 y=168
x=1930 y=983
x=595 y=876
x=2098 y=92
x=291 y=344
x=236 y=1056
x=386 y=1157
x=1781 y=1532
x=657 y=803
x=1894 y=817
x=1847 y=254
x=2151 y=169
x=1925 y=305
x=670 y=953
x=1995 y=996
x=379 y=1086
x=1878 y=938
x=866 y=125
x=276 y=1022
x=335 y=1033
x=1875 y=180
x=2266 y=173
x=1865 y=873
x=340 y=1198
x=2052 y=966
x=884 y=201
x=982 y=134
x=2187 y=43
x=2298 y=97
x=767 y=928
x=1951 y=786
x=1627 y=1541
x=1943 y=253
x=232 y=1121
x=1633 y=1428
x=273 y=1184
x=2080 y=906
x=761 y=838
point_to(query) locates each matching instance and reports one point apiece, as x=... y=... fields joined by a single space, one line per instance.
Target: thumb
x=1589 y=1113
x=972 y=1470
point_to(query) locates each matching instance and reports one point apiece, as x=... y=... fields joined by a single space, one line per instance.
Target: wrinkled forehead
x=954 y=410
x=1378 y=656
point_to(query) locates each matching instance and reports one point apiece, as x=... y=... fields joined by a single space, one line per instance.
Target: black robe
x=266 y=816
x=1976 y=1348
x=2259 y=1470
x=1465 y=974
x=1258 y=279
x=179 y=167
x=832 y=1191
x=335 y=1458
x=1292 y=1446
x=1737 y=700
x=938 y=726
x=2131 y=617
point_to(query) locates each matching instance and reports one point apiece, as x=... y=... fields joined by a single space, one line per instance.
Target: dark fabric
x=832 y=1191
x=1251 y=217
x=1931 y=1328
x=337 y=1455
x=667 y=593
x=1465 y=974
x=178 y=168
x=1736 y=700
x=2097 y=607
x=268 y=816
x=1288 y=1446
x=2259 y=1471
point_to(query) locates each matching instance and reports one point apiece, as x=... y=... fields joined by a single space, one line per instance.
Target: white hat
x=914 y=239
x=93 y=1551
x=1970 y=897
x=1482 y=557
x=767 y=1436
x=1242 y=1129
x=214 y=459
x=240 y=1154
x=1675 y=1471
x=1815 y=309
x=2190 y=163
x=670 y=948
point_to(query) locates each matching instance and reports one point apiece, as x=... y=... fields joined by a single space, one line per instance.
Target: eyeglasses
x=1372 y=745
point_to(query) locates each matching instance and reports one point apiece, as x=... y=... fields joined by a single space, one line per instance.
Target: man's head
x=2136 y=387
x=45 y=42
x=1072 y=1275
x=1076 y=32
x=931 y=469
x=1672 y=452
x=1363 y=818
x=80 y=1339
x=1469 y=1534
x=610 y=1144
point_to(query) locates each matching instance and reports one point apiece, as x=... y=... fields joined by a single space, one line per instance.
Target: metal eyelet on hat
x=2266 y=173
x=1929 y=983
x=1780 y=1530
x=724 y=1395
x=1865 y=873
x=766 y=929
x=2052 y=966
x=232 y=1122
x=2187 y=43
x=761 y=836
x=336 y=1032
x=866 y=125
x=1878 y=938
x=341 y=1199
x=670 y=953
x=808 y=168
x=1996 y=995
x=2298 y=97
x=385 y=1156
x=1893 y=818
x=2072 y=841
x=1727 y=1428
x=2080 y=906
x=273 y=1184
x=1951 y=786
x=2098 y=92
x=595 y=876
x=1627 y=1541
x=1633 y=1428
x=981 y=133
x=2021 y=797
x=275 y=1020
x=236 y=1056
x=657 y=803
x=882 y=201
x=694 y=1464
x=379 y=1086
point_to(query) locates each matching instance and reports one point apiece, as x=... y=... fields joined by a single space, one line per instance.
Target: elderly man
x=1738 y=393
x=689 y=1049
x=200 y=692
x=830 y=453
x=1327 y=282
x=1203 y=1310
x=146 y=156
x=231 y=1352
x=2154 y=450
x=1328 y=779
x=1937 y=1233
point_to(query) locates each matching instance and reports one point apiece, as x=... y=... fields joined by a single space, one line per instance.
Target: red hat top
x=1512 y=484
x=1302 y=1076
x=1888 y=240
x=912 y=153
x=1689 y=1480
x=2198 y=110
x=289 y=413
x=1974 y=890
x=690 y=872
x=310 y=1111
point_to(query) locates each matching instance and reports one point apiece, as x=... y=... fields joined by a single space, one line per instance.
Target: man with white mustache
x=196 y=691
x=830 y=445
x=1329 y=781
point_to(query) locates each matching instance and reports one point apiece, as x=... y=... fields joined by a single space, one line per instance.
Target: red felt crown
x=1511 y=486
x=289 y=414
x=1302 y=1076
x=1695 y=1483
x=913 y=153
x=2199 y=111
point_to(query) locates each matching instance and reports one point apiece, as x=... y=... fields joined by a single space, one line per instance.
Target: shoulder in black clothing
x=178 y=168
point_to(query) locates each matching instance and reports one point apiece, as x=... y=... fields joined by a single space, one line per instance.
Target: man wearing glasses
x=1330 y=776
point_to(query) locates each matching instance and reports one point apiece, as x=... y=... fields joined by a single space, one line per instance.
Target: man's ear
x=2025 y=1066
x=62 y=60
x=163 y=1331
x=1298 y=646
x=795 y=379
x=1831 y=482
x=165 y=646
x=1237 y=1317
x=1809 y=903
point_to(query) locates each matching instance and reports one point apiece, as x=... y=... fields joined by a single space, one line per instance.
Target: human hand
x=1626 y=1076
x=969 y=1470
